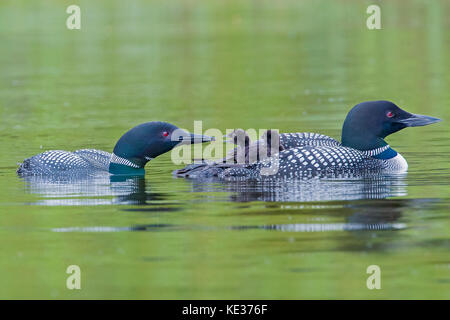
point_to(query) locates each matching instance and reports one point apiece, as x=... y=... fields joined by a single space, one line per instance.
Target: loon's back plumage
x=65 y=162
x=301 y=139
x=98 y=158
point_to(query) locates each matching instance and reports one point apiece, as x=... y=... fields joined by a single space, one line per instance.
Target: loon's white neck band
x=122 y=161
x=375 y=152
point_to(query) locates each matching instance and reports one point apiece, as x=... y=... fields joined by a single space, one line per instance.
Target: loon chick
x=131 y=153
x=248 y=151
x=241 y=139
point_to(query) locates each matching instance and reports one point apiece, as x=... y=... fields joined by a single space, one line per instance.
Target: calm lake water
x=290 y=65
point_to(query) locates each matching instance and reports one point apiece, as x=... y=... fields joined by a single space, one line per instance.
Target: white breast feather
x=398 y=163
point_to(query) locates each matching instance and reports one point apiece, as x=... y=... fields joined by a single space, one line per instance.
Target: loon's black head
x=147 y=141
x=368 y=123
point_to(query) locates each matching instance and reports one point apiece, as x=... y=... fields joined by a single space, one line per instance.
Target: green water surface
x=292 y=65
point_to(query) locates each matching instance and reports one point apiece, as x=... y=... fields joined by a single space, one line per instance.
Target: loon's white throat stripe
x=125 y=162
x=375 y=152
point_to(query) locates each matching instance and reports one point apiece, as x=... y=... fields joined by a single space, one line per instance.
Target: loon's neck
x=374 y=147
x=120 y=165
x=384 y=152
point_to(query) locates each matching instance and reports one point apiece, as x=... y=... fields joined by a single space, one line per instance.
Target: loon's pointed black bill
x=190 y=138
x=417 y=120
x=198 y=138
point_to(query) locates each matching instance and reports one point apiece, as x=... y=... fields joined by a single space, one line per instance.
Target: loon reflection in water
x=104 y=189
x=360 y=217
x=344 y=187
x=99 y=189
x=359 y=231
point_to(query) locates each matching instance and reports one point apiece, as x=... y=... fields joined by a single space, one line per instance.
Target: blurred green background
x=290 y=65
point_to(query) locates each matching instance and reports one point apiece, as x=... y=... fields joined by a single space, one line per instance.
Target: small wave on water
x=297 y=227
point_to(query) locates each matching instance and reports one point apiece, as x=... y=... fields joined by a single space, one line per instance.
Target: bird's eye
x=165 y=133
x=389 y=114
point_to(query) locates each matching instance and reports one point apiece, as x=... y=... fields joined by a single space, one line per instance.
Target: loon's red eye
x=165 y=133
x=389 y=114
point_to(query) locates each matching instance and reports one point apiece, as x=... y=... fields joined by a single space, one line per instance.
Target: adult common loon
x=131 y=153
x=306 y=155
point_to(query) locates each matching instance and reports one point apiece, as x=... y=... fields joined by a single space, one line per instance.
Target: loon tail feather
x=24 y=168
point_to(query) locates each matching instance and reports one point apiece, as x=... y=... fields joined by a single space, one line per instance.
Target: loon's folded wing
x=97 y=158
x=309 y=161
